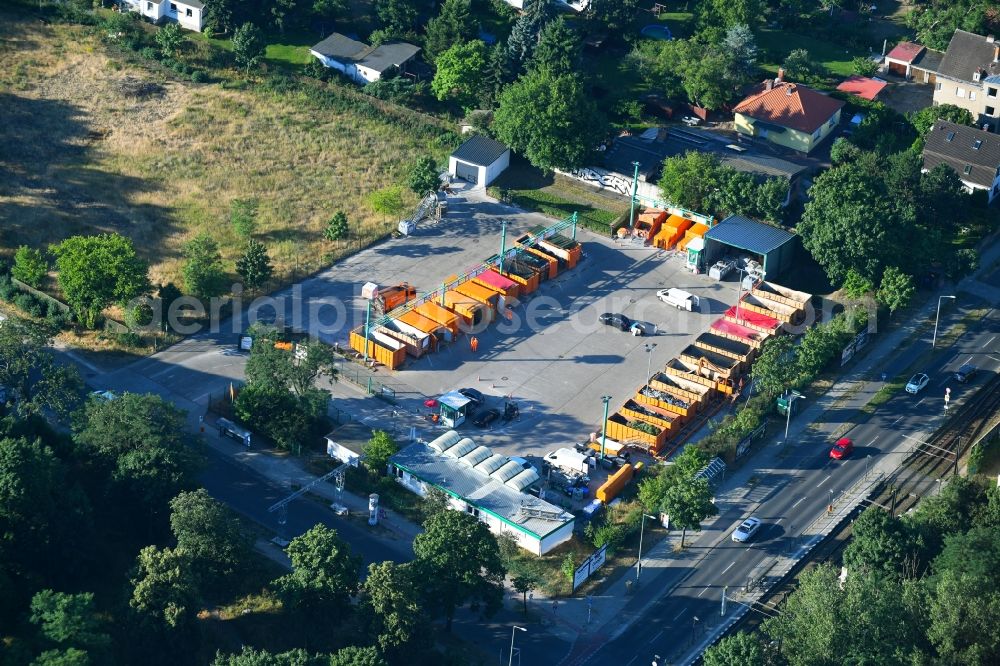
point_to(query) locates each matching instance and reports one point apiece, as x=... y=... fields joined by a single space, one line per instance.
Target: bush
x=316 y=70
x=7 y=289
x=29 y=304
x=149 y=53
x=199 y=76
x=129 y=339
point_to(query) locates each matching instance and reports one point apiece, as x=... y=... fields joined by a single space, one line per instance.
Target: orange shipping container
x=441 y=315
x=472 y=311
x=523 y=275
x=552 y=262
x=389 y=353
x=615 y=484
x=429 y=326
x=619 y=428
x=485 y=295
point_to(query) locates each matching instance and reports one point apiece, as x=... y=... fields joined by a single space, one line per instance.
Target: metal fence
x=364 y=379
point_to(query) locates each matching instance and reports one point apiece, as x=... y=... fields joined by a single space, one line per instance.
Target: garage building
x=738 y=236
x=479 y=160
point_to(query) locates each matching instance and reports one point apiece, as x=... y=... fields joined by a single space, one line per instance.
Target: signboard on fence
x=589 y=566
x=856 y=345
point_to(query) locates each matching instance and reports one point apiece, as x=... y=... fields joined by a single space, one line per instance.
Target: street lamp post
x=510 y=657
x=642 y=527
x=604 y=424
x=635 y=185
x=936 y=317
x=788 y=413
x=650 y=346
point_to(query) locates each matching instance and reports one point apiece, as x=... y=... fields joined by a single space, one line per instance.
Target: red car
x=843 y=448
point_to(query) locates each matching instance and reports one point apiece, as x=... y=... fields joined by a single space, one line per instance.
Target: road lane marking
x=683 y=610
x=824 y=480
x=896 y=421
x=873 y=441
x=631 y=660
x=800 y=500
x=991 y=341
x=919 y=401
x=728 y=568
x=704 y=590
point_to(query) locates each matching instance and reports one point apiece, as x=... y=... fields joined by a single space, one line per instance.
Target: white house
x=575 y=5
x=479 y=160
x=187 y=13
x=487 y=485
x=360 y=62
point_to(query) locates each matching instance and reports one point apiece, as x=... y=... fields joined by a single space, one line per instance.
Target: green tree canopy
x=357 y=656
x=96 y=271
x=254 y=267
x=164 y=589
x=253 y=657
x=553 y=122
x=615 y=15
x=218 y=16
x=211 y=534
x=454 y=24
x=378 y=450
x=324 y=575
x=391 y=597
x=729 y=13
x=286 y=370
x=460 y=562
x=559 y=49
x=336 y=229
x=882 y=545
x=775 y=369
x=963 y=611
x=896 y=289
x=800 y=66
x=141 y=440
x=740 y=649
x=249 y=46
x=169 y=39
x=29 y=371
x=688 y=501
x=203 y=273
x=397 y=17
x=460 y=75
x=388 y=201
x=243 y=217
x=689 y=180
x=29 y=266
x=69 y=620
x=423 y=177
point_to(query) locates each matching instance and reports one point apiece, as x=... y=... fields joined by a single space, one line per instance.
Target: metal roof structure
x=454 y=399
x=498 y=493
x=480 y=150
x=750 y=235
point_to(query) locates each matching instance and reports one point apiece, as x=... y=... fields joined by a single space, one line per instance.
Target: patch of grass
x=681 y=24
x=883 y=395
x=775 y=45
x=164 y=167
x=261 y=603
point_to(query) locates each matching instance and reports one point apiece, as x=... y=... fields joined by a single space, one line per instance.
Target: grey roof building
x=772 y=246
x=361 y=62
x=972 y=153
x=967 y=54
x=341 y=47
x=479 y=160
x=480 y=150
x=487 y=485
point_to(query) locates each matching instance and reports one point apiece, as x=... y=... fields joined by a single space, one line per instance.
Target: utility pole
x=936 y=318
x=503 y=243
x=650 y=346
x=604 y=424
x=368 y=318
x=638 y=564
x=722 y=612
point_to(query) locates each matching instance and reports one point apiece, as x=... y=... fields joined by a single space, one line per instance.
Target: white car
x=917 y=383
x=746 y=530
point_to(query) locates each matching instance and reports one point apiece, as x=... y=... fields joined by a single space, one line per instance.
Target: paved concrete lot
x=554 y=358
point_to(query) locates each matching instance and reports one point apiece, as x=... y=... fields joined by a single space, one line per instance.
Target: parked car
x=917 y=383
x=746 y=530
x=486 y=418
x=619 y=321
x=965 y=373
x=475 y=397
x=843 y=448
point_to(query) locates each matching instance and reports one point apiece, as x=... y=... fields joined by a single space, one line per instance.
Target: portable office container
x=389 y=352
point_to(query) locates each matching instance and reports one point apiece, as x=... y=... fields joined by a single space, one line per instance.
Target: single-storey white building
x=346 y=443
x=479 y=160
x=575 y=5
x=187 y=13
x=360 y=62
x=487 y=485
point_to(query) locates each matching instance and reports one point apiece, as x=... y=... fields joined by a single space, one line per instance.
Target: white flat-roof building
x=488 y=485
x=188 y=13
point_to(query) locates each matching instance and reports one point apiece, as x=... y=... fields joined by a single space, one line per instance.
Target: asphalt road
x=792 y=498
x=251 y=494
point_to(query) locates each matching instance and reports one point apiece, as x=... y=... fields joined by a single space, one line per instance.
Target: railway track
x=901 y=490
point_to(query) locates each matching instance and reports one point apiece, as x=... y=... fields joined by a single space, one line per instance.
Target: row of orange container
x=665 y=230
x=711 y=364
x=469 y=305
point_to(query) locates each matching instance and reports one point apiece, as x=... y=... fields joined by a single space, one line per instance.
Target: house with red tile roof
x=788 y=114
x=862 y=86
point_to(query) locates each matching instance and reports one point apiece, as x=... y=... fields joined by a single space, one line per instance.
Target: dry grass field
x=81 y=152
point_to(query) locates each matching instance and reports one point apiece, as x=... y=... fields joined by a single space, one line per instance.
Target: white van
x=679 y=298
x=569 y=460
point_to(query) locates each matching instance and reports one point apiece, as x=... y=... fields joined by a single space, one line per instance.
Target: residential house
x=360 y=62
x=788 y=114
x=914 y=62
x=187 y=13
x=972 y=153
x=969 y=77
x=575 y=5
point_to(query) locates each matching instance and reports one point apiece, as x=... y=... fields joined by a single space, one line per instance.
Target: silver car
x=917 y=383
x=746 y=530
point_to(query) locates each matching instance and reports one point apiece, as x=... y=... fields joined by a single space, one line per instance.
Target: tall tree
x=615 y=15
x=357 y=656
x=688 y=502
x=453 y=25
x=169 y=39
x=219 y=16
x=896 y=289
x=742 y=46
x=460 y=563
x=164 y=590
x=248 y=46
x=729 y=13
x=378 y=450
x=203 y=273
x=29 y=371
x=397 y=17
x=281 y=370
x=774 y=370
x=141 y=440
x=69 y=620
x=29 y=266
x=324 y=575
x=390 y=594
x=388 y=201
x=963 y=611
x=460 y=73
x=423 y=177
x=690 y=180
x=558 y=51
x=883 y=545
x=553 y=122
x=96 y=271
x=254 y=266
x=211 y=534
x=740 y=649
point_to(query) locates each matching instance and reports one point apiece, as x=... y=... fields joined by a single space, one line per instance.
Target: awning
x=696 y=244
x=454 y=399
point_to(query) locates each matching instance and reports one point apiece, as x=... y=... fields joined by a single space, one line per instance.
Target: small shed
x=772 y=246
x=454 y=407
x=479 y=160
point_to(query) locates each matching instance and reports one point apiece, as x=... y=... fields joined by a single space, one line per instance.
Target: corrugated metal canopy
x=750 y=235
